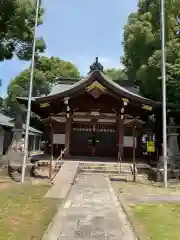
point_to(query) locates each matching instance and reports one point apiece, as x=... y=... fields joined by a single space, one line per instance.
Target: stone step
x=97 y=166
x=104 y=165
x=96 y=171
x=105 y=171
x=106 y=168
x=128 y=177
x=120 y=178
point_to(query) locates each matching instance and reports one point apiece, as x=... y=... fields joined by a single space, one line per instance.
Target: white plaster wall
x=128 y=141
x=58 y=138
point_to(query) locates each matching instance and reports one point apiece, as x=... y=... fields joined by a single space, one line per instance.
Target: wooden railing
x=58 y=164
x=119 y=160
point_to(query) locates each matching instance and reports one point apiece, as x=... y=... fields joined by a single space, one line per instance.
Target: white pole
x=163 y=68
x=30 y=94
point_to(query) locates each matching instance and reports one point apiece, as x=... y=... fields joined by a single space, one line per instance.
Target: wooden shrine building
x=88 y=117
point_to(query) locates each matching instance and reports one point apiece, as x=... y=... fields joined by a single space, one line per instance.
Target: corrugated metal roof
x=7 y=122
x=31 y=129
x=5 y=118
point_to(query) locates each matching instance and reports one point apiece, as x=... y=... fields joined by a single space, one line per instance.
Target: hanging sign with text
x=150 y=146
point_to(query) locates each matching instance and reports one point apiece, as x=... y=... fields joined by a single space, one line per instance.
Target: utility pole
x=30 y=94
x=163 y=69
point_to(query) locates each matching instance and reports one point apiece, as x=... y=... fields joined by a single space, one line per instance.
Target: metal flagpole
x=163 y=68
x=30 y=94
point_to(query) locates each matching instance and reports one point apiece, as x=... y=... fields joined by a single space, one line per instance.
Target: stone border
x=129 y=215
x=121 y=205
x=51 y=225
x=59 y=211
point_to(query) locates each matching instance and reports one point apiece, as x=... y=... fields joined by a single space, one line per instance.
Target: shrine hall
x=92 y=116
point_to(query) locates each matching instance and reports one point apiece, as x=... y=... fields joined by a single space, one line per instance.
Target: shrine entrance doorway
x=94 y=139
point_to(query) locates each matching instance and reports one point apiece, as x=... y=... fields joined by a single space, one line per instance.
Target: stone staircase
x=109 y=168
x=115 y=171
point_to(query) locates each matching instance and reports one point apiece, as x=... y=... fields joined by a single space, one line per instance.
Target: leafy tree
x=116 y=74
x=17 y=29
x=45 y=73
x=142 y=48
x=1 y=103
x=55 y=67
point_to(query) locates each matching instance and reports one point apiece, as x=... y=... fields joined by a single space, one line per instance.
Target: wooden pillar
x=134 y=153
x=120 y=137
x=52 y=152
x=39 y=143
x=34 y=143
x=67 y=134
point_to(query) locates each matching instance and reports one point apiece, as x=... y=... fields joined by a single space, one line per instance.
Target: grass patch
x=146 y=188
x=24 y=213
x=159 y=221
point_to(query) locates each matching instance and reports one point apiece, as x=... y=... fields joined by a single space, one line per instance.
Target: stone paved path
x=90 y=213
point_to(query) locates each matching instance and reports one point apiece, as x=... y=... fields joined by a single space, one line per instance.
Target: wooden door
x=81 y=139
x=106 y=140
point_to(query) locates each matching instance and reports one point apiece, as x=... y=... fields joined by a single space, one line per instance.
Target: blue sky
x=78 y=31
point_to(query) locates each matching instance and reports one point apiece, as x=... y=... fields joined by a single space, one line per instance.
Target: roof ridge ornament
x=96 y=66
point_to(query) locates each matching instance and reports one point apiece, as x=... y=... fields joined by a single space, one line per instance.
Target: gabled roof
x=61 y=91
x=133 y=122
x=96 y=73
x=63 y=84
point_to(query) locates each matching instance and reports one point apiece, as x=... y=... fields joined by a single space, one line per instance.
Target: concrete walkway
x=90 y=213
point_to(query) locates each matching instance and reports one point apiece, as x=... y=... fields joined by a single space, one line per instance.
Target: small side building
x=6 y=134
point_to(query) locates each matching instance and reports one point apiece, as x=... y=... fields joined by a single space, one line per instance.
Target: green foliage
x=17 y=21
x=142 y=48
x=45 y=73
x=116 y=74
x=55 y=67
